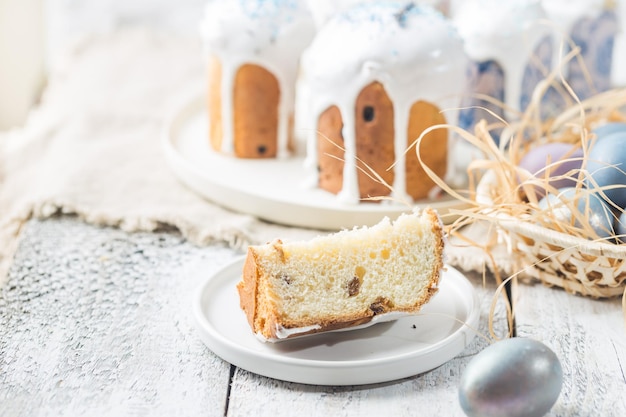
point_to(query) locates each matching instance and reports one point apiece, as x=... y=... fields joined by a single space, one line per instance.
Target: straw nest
x=566 y=254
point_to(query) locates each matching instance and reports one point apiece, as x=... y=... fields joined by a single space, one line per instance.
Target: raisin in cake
x=343 y=279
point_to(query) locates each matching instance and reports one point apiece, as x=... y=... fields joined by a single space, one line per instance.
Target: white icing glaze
x=506 y=32
x=413 y=51
x=271 y=34
x=324 y=10
x=565 y=13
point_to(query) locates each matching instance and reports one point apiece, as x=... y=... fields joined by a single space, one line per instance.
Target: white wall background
x=28 y=47
x=68 y=20
x=34 y=34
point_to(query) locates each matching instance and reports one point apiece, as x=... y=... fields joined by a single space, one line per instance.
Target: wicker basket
x=580 y=266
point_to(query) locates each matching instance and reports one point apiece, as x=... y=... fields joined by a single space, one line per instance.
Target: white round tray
x=382 y=352
x=273 y=189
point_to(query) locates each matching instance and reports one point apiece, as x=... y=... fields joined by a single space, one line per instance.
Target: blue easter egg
x=607 y=166
x=516 y=377
x=609 y=128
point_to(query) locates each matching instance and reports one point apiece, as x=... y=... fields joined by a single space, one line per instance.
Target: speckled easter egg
x=562 y=158
x=607 y=166
x=517 y=377
x=595 y=209
x=559 y=210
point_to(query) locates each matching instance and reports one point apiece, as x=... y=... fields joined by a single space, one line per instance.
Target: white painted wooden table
x=96 y=321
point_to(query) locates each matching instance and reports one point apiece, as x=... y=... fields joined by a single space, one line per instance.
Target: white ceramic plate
x=379 y=353
x=271 y=189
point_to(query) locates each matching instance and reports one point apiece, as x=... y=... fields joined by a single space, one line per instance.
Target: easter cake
x=510 y=49
x=377 y=75
x=593 y=26
x=516 y=45
x=253 y=49
x=342 y=280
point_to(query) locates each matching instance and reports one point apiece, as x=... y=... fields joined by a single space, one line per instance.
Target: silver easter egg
x=517 y=377
x=606 y=165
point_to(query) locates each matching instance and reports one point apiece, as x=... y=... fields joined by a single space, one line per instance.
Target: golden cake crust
x=433 y=149
x=374 y=136
x=247 y=287
x=374 y=143
x=214 y=102
x=330 y=150
x=256 y=97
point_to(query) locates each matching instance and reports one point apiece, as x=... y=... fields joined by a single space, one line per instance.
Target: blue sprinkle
x=385 y=14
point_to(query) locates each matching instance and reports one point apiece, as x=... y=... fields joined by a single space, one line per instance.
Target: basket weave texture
x=580 y=266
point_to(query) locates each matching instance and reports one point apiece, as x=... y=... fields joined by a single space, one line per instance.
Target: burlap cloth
x=91 y=148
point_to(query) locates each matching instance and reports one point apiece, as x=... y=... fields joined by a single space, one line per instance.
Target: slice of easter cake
x=343 y=280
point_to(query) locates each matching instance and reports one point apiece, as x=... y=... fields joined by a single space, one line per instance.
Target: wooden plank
x=589 y=337
x=95 y=321
x=430 y=394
